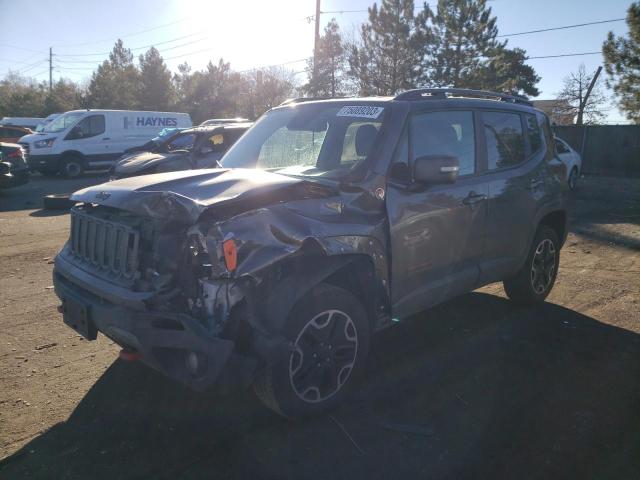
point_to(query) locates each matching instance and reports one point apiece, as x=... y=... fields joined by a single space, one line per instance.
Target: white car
x=571 y=159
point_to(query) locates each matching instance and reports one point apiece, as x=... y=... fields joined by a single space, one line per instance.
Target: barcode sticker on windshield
x=362 y=111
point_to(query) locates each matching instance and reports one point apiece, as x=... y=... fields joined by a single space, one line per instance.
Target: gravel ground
x=475 y=388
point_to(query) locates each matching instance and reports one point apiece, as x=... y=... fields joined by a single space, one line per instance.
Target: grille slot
x=109 y=247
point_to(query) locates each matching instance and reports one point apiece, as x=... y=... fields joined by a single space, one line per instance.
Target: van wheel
x=71 y=166
x=329 y=334
x=535 y=279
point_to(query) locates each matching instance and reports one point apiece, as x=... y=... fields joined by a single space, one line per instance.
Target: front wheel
x=329 y=334
x=535 y=279
x=72 y=166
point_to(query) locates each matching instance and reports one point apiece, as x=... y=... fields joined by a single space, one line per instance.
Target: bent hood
x=137 y=162
x=184 y=195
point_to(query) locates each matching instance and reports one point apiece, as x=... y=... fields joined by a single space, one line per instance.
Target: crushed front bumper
x=176 y=345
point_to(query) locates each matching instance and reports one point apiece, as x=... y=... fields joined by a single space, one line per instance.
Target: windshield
x=62 y=122
x=325 y=139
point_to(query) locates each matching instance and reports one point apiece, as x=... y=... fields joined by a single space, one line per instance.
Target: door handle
x=106 y=138
x=473 y=198
x=535 y=183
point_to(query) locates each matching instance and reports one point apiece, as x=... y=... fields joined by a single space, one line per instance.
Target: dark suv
x=329 y=221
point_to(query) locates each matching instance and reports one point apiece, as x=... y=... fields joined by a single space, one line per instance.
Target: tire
x=71 y=166
x=57 y=202
x=534 y=281
x=573 y=178
x=328 y=326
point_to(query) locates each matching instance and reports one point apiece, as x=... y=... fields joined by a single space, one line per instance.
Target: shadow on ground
x=29 y=196
x=476 y=388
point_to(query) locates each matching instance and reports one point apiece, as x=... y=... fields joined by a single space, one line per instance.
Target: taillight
x=15 y=154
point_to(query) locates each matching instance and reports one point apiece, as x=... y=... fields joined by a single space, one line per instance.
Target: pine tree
x=464 y=32
x=330 y=67
x=504 y=71
x=386 y=59
x=622 y=64
x=156 y=91
x=116 y=83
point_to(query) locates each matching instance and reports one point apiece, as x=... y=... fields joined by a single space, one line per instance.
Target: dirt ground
x=475 y=388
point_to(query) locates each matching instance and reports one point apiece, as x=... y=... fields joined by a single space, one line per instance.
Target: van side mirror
x=436 y=169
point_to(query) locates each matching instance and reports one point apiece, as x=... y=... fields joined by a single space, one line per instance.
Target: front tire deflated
x=329 y=333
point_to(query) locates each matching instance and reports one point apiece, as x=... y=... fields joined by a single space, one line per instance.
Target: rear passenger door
x=436 y=231
x=514 y=168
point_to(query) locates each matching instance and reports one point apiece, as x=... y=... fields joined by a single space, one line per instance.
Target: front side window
x=445 y=133
x=505 y=139
x=89 y=127
x=321 y=139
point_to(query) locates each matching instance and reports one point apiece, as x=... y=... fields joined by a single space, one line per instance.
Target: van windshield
x=325 y=139
x=62 y=122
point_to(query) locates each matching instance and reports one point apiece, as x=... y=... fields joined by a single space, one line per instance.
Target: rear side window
x=534 y=133
x=505 y=139
x=445 y=133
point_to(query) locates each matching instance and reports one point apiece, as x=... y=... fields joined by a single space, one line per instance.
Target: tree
x=65 y=95
x=264 y=89
x=463 y=33
x=116 y=83
x=21 y=96
x=330 y=64
x=156 y=92
x=504 y=71
x=386 y=59
x=572 y=96
x=463 y=51
x=622 y=64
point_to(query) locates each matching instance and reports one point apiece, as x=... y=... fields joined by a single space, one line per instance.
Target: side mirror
x=435 y=169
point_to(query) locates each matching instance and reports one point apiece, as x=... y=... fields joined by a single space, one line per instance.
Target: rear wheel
x=535 y=279
x=71 y=166
x=329 y=334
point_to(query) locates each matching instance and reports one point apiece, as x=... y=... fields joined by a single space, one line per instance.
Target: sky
x=257 y=33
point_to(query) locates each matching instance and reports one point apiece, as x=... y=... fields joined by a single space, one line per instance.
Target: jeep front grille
x=109 y=247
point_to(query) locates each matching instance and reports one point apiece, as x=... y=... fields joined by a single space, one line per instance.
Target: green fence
x=605 y=149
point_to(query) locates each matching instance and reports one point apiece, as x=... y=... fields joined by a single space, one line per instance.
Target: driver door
x=436 y=231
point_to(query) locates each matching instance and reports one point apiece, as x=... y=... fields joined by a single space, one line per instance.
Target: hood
x=139 y=161
x=32 y=137
x=184 y=195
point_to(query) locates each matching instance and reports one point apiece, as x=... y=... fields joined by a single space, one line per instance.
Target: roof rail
x=444 y=93
x=291 y=101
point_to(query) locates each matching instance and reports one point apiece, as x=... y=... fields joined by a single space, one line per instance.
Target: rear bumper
x=14 y=179
x=176 y=345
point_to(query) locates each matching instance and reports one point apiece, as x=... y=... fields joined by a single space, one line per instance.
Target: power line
x=565 y=55
x=562 y=28
x=137 y=48
x=124 y=36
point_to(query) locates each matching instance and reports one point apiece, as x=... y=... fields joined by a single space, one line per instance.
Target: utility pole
x=583 y=103
x=50 y=69
x=315 y=49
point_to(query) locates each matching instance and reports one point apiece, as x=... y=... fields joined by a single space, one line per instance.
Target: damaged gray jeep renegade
x=326 y=222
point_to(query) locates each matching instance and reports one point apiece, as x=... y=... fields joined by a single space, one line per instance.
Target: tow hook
x=130 y=356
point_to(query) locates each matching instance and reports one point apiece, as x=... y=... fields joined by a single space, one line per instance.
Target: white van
x=82 y=140
x=26 y=122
